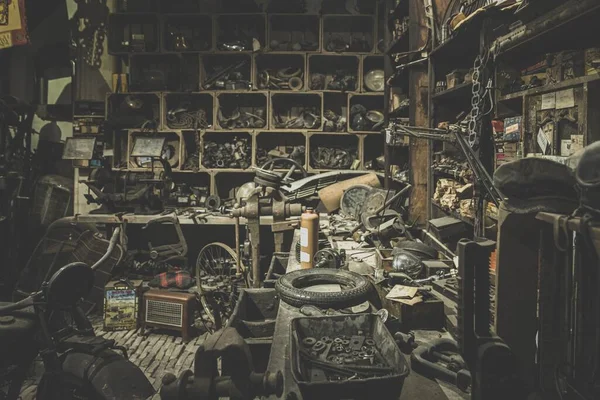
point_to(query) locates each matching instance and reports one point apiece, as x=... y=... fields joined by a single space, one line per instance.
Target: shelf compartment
x=236 y=79
x=153 y=73
x=333 y=72
x=181 y=110
x=228 y=183
x=335 y=112
x=132 y=110
x=242 y=111
x=133 y=33
x=341 y=7
x=187 y=33
x=237 y=32
x=373 y=158
x=365 y=113
x=191 y=151
x=270 y=145
x=227 y=150
x=294 y=32
x=328 y=152
x=277 y=71
x=184 y=6
x=171 y=150
x=136 y=6
x=348 y=34
x=296 y=111
x=373 y=79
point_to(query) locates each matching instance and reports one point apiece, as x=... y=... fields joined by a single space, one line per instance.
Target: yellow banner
x=14 y=18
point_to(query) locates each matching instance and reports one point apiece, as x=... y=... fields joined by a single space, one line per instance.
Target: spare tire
x=356 y=289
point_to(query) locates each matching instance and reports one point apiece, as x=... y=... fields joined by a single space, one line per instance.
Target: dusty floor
x=156 y=354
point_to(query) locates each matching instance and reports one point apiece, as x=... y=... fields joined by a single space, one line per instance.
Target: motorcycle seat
x=17 y=325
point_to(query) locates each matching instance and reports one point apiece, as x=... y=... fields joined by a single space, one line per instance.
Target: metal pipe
x=111 y=246
x=238 y=260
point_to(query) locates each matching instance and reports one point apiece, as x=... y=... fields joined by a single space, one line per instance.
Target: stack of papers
x=405 y=295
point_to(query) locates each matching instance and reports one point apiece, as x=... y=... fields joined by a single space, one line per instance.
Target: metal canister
x=309 y=237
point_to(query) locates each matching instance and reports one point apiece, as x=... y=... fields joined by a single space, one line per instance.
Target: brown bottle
x=309 y=237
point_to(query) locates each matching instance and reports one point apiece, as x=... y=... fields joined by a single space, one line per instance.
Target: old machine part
x=236 y=153
x=353 y=199
x=492 y=363
x=378 y=210
x=333 y=122
x=296 y=153
x=329 y=258
x=362 y=119
x=295 y=166
x=170 y=310
x=356 y=289
x=265 y=199
x=231 y=117
x=171 y=251
x=139 y=192
x=407 y=263
x=237 y=378
x=284 y=78
x=217 y=81
x=309 y=237
x=307 y=118
x=344 y=80
x=333 y=157
x=426 y=359
x=375 y=80
x=185 y=116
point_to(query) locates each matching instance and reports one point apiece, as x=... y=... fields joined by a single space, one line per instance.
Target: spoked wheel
x=217 y=282
x=292 y=165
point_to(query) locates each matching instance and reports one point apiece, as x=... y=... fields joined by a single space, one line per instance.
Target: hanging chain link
x=478 y=98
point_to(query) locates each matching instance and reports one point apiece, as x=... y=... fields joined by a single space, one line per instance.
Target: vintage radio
x=170 y=310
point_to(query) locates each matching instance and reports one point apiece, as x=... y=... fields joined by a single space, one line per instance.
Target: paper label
x=565 y=147
x=388 y=137
x=565 y=99
x=543 y=141
x=549 y=101
x=304 y=257
x=512 y=128
x=303 y=237
x=576 y=143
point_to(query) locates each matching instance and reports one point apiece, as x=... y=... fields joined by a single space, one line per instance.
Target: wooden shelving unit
x=179 y=69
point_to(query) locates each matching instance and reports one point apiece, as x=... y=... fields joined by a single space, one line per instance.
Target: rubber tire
x=419 y=249
x=289 y=287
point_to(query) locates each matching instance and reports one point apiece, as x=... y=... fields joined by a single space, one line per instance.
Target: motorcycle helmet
x=407 y=263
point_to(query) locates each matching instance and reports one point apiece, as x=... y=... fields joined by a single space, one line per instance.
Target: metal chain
x=478 y=98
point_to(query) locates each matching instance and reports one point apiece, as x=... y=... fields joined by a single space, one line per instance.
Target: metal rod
x=238 y=261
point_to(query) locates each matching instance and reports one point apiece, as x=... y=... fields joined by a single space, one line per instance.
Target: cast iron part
x=168 y=252
x=426 y=359
x=330 y=258
x=237 y=379
x=139 y=192
x=492 y=363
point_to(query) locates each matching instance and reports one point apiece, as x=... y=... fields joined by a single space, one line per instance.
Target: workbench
x=416 y=387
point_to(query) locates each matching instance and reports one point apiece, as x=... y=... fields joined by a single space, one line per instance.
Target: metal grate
x=165 y=313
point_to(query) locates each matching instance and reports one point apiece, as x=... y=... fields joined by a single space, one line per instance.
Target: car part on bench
x=329 y=258
x=421 y=250
x=356 y=289
x=236 y=379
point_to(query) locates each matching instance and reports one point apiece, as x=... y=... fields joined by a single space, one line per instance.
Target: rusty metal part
x=236 y=380
x=329 y=258
x=168 y=252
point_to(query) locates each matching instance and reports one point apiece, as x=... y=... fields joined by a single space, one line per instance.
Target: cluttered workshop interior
x=299 y=199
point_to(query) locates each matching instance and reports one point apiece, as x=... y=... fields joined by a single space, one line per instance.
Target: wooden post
x=418 y=93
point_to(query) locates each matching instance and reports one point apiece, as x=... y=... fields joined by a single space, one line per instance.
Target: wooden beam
x=418 y=94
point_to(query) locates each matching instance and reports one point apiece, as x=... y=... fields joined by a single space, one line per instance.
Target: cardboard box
x=455 y=78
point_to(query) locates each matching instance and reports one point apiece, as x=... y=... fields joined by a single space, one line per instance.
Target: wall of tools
x=230 y=91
